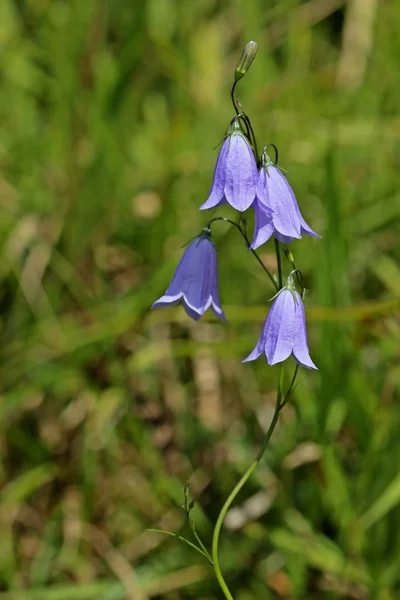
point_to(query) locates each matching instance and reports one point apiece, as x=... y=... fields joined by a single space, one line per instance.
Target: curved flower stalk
x=195 y=282
x=235 y=176
x=274 y=193
x=284 y=332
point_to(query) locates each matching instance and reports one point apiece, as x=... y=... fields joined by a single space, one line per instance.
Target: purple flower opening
x=275 y=192
x=235 y=175
x=284 y=332
x=195 y=281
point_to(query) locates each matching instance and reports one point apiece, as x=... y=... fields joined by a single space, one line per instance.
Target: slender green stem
x=278 y=406
x=272 y=279
x=299 y=274
x=279 y=262
x=235 y=100
x=218 y=526
x=238 y=487
x=253 y=139
x=248 y=244
x=242 y=119
x=188 y=505
x=179 y=537
x=291 y=387
x=196 y=535
x=240 y=113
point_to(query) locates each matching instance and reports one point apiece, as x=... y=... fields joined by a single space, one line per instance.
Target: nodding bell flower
x=275 y=192
x=284 y=332
x=235 y=175
x=195 y=282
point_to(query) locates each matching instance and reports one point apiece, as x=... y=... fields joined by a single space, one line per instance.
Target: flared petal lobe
x=304 y=227
x=280 y=319
x=275 y=192
x=235 y=175
x=195 y=281
x=300 y=345
x=284 y=332
x=263 y=225
x=260 y=347
x=216 y=196
x=214 y=293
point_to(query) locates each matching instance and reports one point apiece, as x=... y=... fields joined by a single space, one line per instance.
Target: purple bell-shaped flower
x=235 y=176
x=284 y=332
x=195 y=282
x=274 y=192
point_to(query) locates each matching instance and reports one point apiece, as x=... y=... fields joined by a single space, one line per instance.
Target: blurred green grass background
x=110 y=113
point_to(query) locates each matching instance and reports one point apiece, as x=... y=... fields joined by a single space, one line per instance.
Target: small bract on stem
x=246 y=180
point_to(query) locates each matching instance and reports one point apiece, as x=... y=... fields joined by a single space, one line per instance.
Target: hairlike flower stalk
x=239 y=226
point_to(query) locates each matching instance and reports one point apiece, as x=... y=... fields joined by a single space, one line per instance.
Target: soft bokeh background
x=110 y=113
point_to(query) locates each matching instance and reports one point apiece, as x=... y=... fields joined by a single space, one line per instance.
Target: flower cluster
x=246 y=182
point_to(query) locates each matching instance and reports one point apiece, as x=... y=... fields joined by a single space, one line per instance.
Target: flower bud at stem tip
x=247 y=57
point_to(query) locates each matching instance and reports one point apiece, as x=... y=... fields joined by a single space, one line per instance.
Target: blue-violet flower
x=235 y=175
x=284 y=332
x=195 y=281
x=274 y=192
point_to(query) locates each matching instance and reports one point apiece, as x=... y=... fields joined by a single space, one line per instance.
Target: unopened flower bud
x=290 y=256
x=244 y=64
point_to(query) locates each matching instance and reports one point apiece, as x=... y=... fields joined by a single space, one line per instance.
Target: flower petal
x=263 y=225
x=217 y=310
x=214 y=294
x=284 y=239
x=199 y=274
x=304 y=227
x=195 y=312
x=195 y=281
x=283 y=203
x=260 y=346
x=241 y=174
x=256 y=353
x=280 y=328
x=216 y=195
x=300 y=345
x=167 y=300
x=186 y=273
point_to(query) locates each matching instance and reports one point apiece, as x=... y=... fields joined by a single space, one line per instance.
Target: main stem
x=279 y=263
x=278 y=406
x=238 y=487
